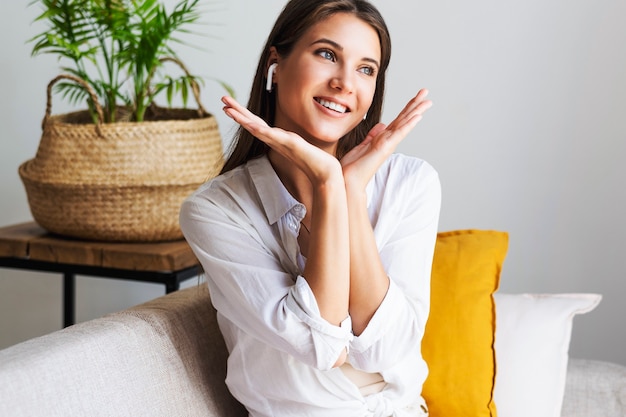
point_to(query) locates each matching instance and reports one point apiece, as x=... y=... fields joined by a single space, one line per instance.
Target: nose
x=343 y=80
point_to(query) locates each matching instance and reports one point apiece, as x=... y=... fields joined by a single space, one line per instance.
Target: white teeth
x=333 y=106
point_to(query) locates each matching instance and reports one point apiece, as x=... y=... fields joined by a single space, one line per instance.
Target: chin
x=331 y=134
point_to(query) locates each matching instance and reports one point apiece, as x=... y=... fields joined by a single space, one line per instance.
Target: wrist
x=356 y=193
x=332 y=184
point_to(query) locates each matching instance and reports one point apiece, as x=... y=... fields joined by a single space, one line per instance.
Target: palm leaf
x=116 y=46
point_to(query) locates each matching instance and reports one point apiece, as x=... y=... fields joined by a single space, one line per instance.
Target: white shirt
x=243 y=227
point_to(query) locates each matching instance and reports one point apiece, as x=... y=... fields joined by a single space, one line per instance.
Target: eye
x=326 y=54
x=367 y=70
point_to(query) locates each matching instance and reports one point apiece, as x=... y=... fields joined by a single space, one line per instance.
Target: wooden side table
x=28 y=246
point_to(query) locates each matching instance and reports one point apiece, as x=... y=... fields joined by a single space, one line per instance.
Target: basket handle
x=87 y=88
x=195 y=88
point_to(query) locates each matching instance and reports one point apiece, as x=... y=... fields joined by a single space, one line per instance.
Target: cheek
x=367 y=94
x=293 y=86
x=302 y=72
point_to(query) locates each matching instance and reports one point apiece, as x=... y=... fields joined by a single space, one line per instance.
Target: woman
x=316 y=239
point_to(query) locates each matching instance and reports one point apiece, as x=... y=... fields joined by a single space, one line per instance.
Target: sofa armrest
x=166 y=358
x=594 y=389
x=188 y=320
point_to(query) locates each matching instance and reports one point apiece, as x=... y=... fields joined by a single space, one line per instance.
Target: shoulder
x=249 y=194
x=403 y=185
x=221 y=196
x=231 y=182
x=401 y=169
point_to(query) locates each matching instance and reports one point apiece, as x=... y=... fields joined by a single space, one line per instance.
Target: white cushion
x=532 y=340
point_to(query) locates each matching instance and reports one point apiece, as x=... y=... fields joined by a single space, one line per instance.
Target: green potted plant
x=119 y=169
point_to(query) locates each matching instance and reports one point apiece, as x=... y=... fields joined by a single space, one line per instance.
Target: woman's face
x=326 y=85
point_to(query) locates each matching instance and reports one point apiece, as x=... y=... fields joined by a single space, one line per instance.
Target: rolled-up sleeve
x=327 y=339
x=406 y=236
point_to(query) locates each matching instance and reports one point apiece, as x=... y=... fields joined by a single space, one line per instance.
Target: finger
x=415 y=102
x=257 y=126
x=240 y=113
x=417 y=105
x=231 y=102
x=390 y=138
x=252 y=123
x=374 y=131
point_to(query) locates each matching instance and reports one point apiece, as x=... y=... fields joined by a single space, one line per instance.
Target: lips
x=332 y=105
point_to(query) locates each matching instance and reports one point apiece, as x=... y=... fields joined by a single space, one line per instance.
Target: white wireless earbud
x=270 y=76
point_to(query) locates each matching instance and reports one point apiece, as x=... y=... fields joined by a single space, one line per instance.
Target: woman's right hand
x=317 y=164
x=327 y=269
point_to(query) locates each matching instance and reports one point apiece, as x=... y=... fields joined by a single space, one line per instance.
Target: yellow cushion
x=458 y=343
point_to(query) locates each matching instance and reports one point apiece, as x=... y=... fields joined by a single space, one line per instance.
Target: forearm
x=368 y=281
x=327 y=270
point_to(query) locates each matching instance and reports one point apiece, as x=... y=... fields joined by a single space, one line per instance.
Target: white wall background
x=527 y=133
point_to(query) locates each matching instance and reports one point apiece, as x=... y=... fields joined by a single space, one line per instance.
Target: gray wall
x=527 y=133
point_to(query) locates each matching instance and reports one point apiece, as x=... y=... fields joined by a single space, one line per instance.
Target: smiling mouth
x=333 y=106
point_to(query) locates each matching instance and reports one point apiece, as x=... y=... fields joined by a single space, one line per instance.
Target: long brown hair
x=295 y=19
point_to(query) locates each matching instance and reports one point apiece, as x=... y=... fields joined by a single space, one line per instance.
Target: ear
x=272 y=59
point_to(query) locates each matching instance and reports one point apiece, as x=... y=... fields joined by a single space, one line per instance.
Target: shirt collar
x=275 y=198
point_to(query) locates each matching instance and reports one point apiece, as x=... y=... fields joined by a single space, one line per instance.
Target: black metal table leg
x=171 y=287
x=69 y=296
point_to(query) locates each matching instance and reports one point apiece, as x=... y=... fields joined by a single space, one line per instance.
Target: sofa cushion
x=459 y=337
x=594 y=389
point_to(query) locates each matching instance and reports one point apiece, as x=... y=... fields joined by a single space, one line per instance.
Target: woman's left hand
x=361 y=163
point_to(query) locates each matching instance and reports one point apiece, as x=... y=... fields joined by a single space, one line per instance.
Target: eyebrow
x=340 y=48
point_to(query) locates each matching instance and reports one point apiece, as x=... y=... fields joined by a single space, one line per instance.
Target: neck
x=294 y=180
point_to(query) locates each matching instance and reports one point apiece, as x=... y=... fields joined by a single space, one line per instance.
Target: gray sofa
x=167 y=358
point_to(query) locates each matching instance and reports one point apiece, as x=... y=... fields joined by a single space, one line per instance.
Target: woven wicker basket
x=120 y=181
